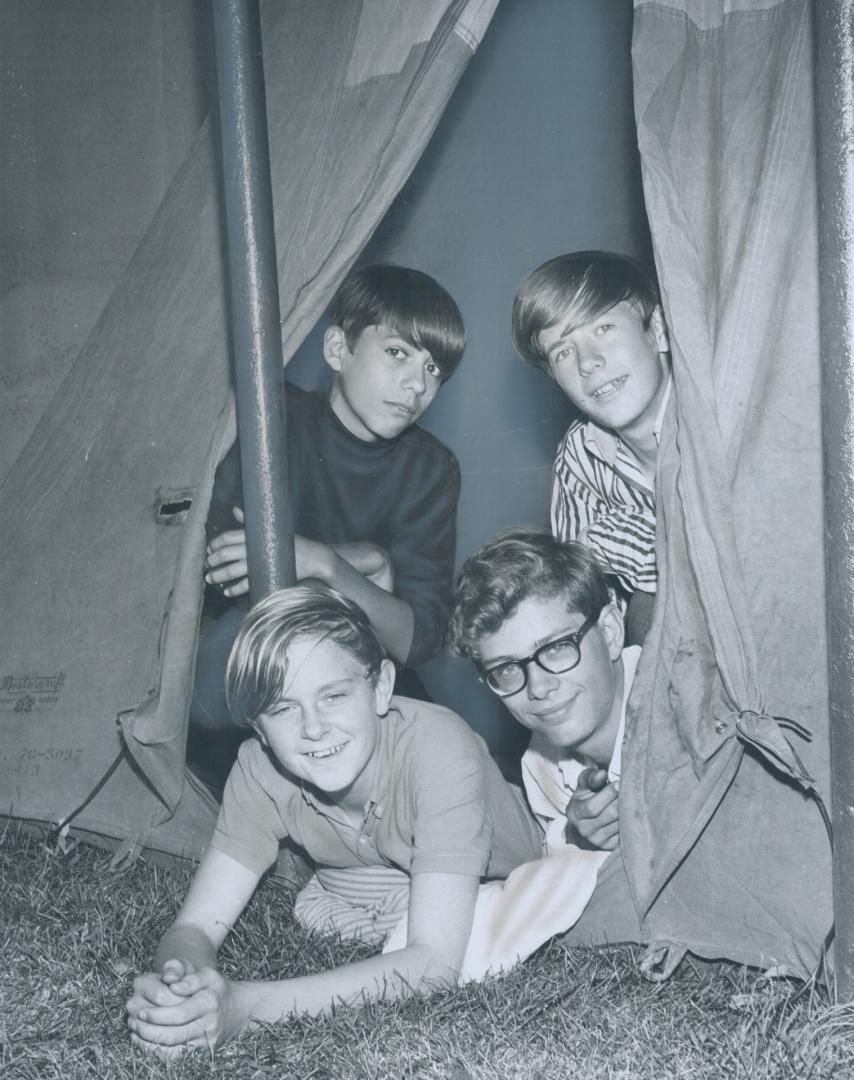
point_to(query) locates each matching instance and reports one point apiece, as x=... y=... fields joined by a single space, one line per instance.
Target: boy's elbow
x=428 y=636
x=437 y=970
x=416 y=655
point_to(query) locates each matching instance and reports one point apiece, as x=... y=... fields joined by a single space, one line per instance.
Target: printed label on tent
x=25 y=694
x=31 y=759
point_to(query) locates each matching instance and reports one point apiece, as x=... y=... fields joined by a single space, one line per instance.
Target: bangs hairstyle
x=517 y=564
x=577 y=288
x=408 y=302
x=257 y=671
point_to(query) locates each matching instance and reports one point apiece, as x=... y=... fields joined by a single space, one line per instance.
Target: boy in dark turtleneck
x=374 y=496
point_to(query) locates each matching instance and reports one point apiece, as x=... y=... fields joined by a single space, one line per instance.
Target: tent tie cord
x=57 y=829
x=765 y=734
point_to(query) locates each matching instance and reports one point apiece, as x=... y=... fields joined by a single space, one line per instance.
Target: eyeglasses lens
x=556 y=658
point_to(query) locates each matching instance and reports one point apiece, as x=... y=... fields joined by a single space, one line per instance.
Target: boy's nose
x=415 y=378
x=589 y=360
x=314 y=725
x=540 y=682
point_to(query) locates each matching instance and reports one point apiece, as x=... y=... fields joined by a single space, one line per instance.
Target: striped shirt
x=602 y=497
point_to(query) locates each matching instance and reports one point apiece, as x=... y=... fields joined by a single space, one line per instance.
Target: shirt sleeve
x=623 y=537
x=625 y=540
x=452 y=826
x=227 y=493
x=422 y=553
x=249 y=827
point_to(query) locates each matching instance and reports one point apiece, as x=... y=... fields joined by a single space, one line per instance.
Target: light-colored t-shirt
x=550 y=774
x=438 y=804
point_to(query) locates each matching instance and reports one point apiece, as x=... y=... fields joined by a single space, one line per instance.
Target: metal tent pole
x=835 y=106
x=254 y=295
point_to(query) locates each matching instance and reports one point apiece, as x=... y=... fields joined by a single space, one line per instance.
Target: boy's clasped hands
x=182 y=1009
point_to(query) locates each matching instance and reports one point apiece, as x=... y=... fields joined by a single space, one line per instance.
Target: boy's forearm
x=391 y=617
x=388 y=977
x=183 y=941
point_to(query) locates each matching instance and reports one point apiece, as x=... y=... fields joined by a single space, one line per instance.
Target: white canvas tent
x=723 y=851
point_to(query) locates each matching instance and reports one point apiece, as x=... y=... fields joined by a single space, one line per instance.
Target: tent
x=724 y=848
x=737 y=666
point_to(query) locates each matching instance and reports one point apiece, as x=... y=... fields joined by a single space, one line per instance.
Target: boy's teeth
x=608 y=386
x=326 y=753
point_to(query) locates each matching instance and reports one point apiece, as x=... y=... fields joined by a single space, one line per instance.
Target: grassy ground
x=72 y=934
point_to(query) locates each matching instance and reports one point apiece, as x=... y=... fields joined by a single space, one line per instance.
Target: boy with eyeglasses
x=536 y=618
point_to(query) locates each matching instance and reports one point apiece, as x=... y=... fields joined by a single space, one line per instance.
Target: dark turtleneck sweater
x=399 y=493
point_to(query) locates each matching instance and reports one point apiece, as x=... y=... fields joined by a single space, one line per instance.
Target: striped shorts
x=364 y=903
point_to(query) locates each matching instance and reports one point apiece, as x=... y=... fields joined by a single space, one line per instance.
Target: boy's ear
x=659 y=330
x=384 y=687
x=613 y=629
x=335 y=348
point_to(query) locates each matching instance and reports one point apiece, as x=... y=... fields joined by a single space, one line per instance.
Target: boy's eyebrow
x=386 y=331
x=567 y=330
x=342 y=681
x=537 y=645
x=571 y=327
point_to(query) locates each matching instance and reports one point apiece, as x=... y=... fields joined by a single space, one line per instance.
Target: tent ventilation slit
x=172 y=504
x=168 y=512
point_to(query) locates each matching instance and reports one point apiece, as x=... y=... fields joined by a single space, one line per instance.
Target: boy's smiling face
x=325 y=728
x=578 y=710
x=383 y=385
x=611 y=368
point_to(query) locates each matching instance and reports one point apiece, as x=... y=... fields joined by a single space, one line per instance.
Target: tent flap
x=724 y=106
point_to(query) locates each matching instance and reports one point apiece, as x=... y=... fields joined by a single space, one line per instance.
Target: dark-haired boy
x=360 y=781
x=374 y=496
x=592 y=321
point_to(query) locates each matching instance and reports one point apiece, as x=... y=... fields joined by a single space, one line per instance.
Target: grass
x=73 y=933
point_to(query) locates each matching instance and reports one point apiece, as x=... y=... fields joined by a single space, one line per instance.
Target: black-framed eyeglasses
x=556 y=657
